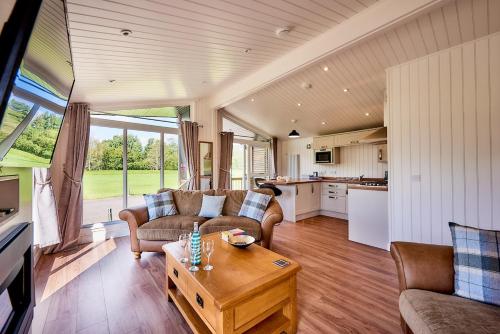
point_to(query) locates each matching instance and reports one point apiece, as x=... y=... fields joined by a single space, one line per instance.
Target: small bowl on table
x=241 y=241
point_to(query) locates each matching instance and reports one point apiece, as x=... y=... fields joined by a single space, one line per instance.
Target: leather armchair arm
x=424 y=266
x=135 y=217
x=272 y=216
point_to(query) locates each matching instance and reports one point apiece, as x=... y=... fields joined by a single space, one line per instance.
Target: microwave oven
x=325 y=156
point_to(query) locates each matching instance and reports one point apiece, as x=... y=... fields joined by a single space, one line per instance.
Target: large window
x=251 y=155
x=128 y=157
x=143 y=165
x=103 y=177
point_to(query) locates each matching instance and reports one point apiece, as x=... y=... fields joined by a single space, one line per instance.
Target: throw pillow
x=160 y=205
x=254 y=205
x=211 y=206
x=477 y=263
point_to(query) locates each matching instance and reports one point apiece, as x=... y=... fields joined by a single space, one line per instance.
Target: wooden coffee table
x=244 y=293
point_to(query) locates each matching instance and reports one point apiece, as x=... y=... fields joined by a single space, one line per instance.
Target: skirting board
x=334 y=214
x=103 y=231
x=321 y=213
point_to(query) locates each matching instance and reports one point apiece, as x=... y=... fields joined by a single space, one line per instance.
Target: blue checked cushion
x=254 y=205
x=477 y=263
x=160 y=205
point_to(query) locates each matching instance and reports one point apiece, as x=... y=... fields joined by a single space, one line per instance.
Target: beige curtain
x=67 y=172
x=274 y=152
x=46 y=231
x=189 y=132
x=226 y=157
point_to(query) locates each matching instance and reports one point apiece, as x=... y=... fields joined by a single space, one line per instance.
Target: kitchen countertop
x=362 y=187
x=353 y=183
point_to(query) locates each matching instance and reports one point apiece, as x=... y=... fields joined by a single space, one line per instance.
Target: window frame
x=126 y=126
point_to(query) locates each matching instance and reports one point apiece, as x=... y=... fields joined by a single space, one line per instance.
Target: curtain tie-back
x=38 y=183
x=72 y=179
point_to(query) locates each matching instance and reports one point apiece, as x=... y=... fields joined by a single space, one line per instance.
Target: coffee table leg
x=225 y=322
x=290 y=310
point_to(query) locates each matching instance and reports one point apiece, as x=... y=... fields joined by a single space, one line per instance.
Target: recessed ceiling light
x=293 y=121
x=126 y=32
x=325 y=68
x=252 y=99
x=346 y=90
x=299 y=104
x=323 y=123
x=367 y=114
x=283 y=31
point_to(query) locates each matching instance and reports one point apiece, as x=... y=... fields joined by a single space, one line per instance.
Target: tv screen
x=41 y=90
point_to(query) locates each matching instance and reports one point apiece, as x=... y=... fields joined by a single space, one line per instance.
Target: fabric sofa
x=426 y=301
x=149 y=236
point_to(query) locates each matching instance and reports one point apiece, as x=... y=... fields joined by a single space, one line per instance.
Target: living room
x=287 y=166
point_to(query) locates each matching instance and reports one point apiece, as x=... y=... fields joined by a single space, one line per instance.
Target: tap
x=361 y=177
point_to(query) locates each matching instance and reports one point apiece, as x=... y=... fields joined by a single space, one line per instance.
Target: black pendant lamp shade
x=293 y=134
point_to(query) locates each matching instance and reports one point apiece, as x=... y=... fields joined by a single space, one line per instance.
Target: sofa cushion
x=225 y=223
x=188 y=203
x=235 y=198
x=160 y=205
x=255 y=205
x=477 y=263
x=167 y=228
x=431 y=312
x=211 y=206
x=233 y=202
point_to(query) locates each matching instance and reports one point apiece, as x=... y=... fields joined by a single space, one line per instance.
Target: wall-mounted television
x=40 y=89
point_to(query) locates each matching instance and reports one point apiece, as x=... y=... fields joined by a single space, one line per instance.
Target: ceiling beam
x=376 y=18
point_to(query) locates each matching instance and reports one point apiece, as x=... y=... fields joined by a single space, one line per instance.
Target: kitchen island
x=328 y=196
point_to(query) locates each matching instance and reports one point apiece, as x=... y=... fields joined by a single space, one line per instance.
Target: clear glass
x=183 y=242
x=193 y=268
x=143 y=165
x=103 y=175
x=238 y=167
x=171 y=164
x=208 y=249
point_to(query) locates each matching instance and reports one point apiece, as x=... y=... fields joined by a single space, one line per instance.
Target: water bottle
x=195 y=248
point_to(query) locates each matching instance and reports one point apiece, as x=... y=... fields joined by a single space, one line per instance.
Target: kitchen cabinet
x=351 y=138
x=323 y=142
x=300 y=200
x=334 y=197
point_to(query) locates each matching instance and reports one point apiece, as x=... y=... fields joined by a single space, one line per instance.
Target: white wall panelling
x=354 y=160
x=444 y=135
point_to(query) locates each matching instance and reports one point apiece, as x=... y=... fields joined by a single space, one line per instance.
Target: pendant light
x=293 y=134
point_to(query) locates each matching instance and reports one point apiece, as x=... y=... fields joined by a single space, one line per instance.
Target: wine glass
x=183 y=241
x=208 y=249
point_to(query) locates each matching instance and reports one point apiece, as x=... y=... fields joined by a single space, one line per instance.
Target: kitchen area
x=314 y=187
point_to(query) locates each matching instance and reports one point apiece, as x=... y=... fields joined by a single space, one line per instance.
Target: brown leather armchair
x=425 y=267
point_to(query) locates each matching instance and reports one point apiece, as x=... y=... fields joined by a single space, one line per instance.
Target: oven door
x=323 y=156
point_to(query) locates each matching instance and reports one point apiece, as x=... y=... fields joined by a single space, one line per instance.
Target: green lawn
x=109 y=183
x=18 y=158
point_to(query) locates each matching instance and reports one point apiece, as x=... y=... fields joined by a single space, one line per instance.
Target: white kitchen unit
x=308 y=199
x=334 y=199
x=368 y=217
x=300 y=200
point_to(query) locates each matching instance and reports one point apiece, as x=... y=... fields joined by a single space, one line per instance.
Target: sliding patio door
x=103 y=175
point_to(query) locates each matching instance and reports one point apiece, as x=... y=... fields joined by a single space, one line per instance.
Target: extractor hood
x=377 y=137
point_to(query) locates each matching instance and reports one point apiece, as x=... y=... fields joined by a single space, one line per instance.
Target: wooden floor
x=344 y=287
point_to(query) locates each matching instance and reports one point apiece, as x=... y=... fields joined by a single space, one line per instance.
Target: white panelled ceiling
x=326 y=108
x=183 y=49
